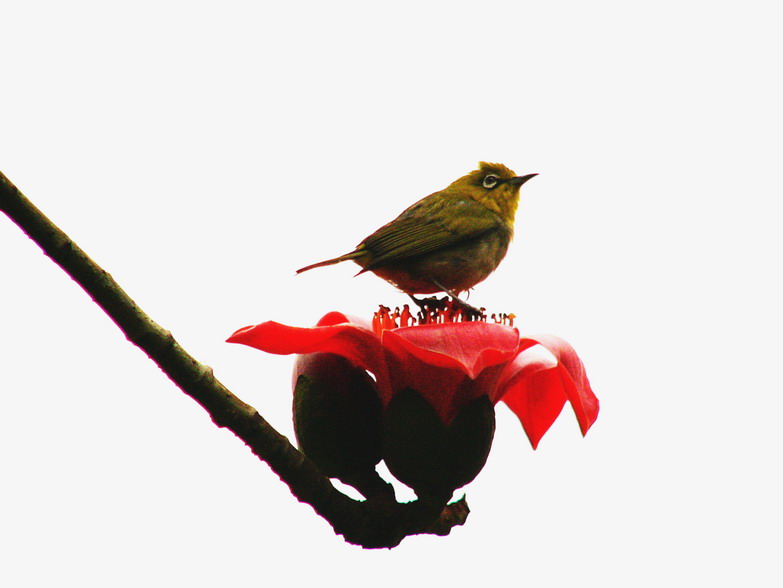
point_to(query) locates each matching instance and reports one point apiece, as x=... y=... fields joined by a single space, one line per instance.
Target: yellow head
x=494 y=186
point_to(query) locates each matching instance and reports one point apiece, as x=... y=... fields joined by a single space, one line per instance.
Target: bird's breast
x=457 y=268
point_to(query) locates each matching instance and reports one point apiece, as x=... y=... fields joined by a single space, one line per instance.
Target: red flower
x=449 y=364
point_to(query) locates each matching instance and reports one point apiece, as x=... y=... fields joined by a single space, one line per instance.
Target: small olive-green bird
x=448 y=241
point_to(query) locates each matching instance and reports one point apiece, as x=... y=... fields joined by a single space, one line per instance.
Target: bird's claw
x=453 y=309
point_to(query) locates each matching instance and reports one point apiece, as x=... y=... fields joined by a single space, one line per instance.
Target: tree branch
x=378 y=522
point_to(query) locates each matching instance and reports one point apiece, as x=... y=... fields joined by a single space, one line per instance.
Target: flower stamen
x=433 y=311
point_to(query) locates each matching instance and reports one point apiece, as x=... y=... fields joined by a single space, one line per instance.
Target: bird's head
x=494 y=186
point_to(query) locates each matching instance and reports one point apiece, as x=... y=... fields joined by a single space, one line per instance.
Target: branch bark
x=377 y=522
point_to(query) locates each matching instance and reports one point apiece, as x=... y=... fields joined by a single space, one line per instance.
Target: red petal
x=468 y=347
x=449 y=364
x=577 y=387
x=532 y=388
x=536 y=387
x=359 y=345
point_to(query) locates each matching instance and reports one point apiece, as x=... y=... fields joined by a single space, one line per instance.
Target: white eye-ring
x=490 y=181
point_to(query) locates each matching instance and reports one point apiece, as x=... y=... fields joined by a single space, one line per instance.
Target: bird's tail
x=346 y=257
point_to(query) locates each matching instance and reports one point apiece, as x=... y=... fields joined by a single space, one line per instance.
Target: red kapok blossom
x=450 y=364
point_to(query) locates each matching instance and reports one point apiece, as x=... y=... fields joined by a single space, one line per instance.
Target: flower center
x=434 y=311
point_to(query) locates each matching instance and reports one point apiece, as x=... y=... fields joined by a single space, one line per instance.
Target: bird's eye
x=490 y=182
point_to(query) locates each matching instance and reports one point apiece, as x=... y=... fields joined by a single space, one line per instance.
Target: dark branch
x=378 y=522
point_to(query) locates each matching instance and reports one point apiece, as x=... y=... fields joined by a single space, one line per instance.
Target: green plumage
x=447 y=242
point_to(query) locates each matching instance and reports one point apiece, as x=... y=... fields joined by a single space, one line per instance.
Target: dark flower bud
x=432 y=457
x=337 y=415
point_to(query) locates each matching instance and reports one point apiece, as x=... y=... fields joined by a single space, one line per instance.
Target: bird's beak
x=519 y=180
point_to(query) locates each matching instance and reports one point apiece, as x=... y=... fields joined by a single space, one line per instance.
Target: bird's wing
x=421 y=230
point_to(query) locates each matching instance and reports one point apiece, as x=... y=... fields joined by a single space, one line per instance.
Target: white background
x=202 y=152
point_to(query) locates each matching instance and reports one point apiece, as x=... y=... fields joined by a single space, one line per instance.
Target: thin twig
x=372 y=523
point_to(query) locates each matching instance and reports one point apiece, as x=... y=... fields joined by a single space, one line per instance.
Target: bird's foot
x=429 y=306
x=468 y=311
x=434 y=309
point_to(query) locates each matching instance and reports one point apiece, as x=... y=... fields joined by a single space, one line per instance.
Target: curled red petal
x=469 y=347
x=575 y=383
x=532 y=387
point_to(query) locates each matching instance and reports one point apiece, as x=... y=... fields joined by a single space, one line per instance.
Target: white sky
x=202 y=153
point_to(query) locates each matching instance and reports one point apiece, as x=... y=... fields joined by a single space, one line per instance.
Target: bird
x=448 y=241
